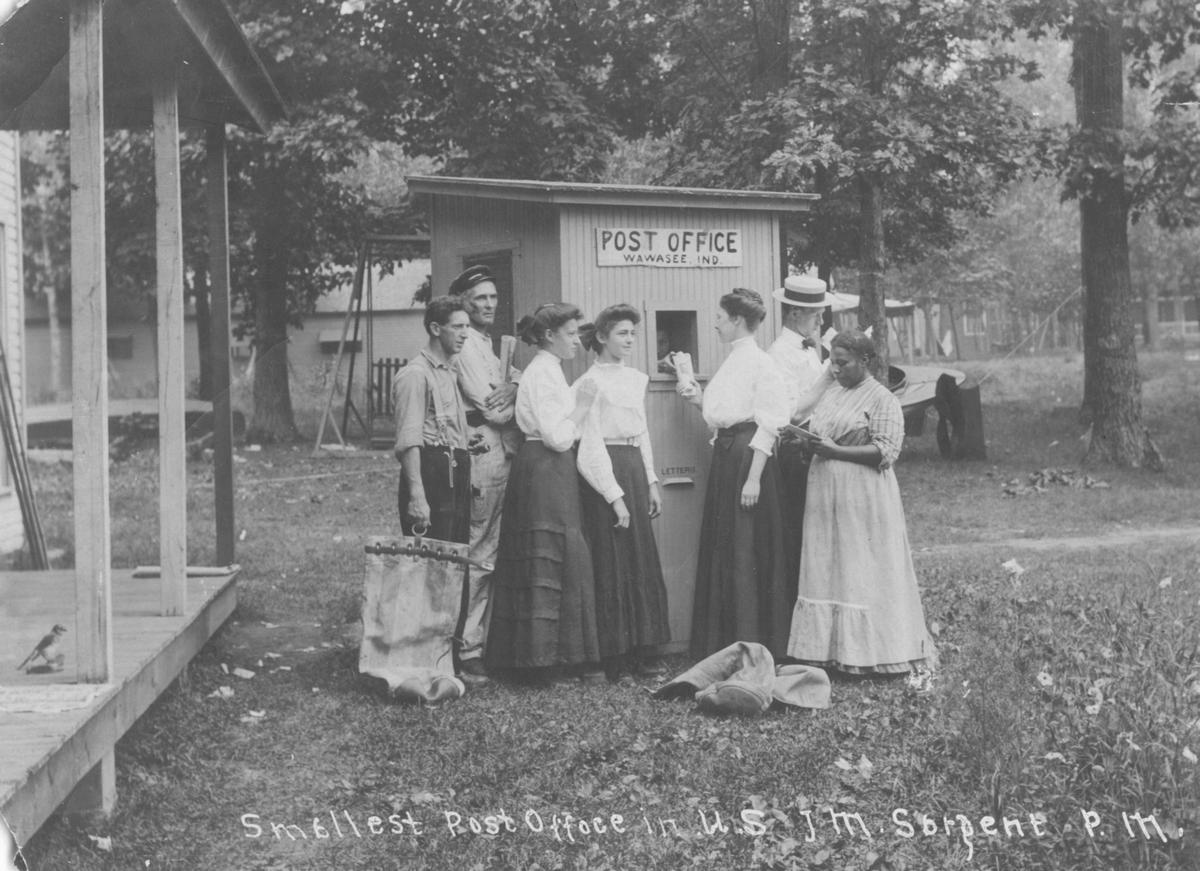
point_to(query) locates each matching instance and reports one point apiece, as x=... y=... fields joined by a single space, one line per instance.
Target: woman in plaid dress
x=858 y=608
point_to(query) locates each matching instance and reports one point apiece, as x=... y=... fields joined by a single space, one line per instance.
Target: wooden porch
x=46 y=753
x=88 y=66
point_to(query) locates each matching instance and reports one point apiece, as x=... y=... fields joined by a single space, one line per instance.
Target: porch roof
x=221 y=79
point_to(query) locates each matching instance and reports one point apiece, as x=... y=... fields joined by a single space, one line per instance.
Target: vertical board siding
x=462 y=226
x=12 y=534
x=595 y=287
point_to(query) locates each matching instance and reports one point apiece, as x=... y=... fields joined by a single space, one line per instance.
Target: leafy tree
x=1116 y=176
x=295 y=214
x=520 y=88
x=300 y=215
x=890 y=110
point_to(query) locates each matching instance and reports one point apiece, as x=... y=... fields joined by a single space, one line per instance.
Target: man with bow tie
x=797 y=352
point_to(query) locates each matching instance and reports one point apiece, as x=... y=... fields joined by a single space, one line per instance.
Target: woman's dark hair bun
x=746 y=303
x=589 y=338
x=546 y=318
x=524 y=330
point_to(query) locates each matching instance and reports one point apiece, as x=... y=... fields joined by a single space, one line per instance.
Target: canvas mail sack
x=411 y=600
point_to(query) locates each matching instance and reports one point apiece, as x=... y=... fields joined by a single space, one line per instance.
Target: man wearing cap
x=490 y=393
x=797 y=352
x=431 y=431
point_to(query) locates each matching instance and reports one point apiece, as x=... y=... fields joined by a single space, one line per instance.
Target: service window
x=672 y=330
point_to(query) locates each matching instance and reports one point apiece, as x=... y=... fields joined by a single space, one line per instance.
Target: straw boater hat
x=802 y=291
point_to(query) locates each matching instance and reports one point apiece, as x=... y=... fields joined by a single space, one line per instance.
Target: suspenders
x=441 y=416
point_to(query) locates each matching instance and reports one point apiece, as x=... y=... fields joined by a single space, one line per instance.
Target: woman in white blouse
x=616 y=461
x=543 y=600
x=743 y=592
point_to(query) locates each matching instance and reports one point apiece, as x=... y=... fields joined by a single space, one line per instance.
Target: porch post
x=217 y=186
x=172 y=386
x=89 y=348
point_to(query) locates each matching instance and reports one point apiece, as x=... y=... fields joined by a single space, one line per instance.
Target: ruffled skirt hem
x=847 y=637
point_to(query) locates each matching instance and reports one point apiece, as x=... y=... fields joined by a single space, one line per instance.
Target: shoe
x=595 y=677
x=473 y=671
x=649 y=668
x=473 y=666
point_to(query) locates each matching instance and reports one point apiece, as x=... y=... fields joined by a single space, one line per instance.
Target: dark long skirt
x=741 y=578
x=631 y=597
x=793 y=463
x=543 y=599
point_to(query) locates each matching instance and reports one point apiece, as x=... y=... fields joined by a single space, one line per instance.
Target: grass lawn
x=1067 y=696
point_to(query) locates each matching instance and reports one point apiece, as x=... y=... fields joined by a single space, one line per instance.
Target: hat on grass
x=468 y=278
x=802 y=291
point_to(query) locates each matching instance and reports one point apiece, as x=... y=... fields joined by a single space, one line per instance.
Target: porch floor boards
x=43 y=756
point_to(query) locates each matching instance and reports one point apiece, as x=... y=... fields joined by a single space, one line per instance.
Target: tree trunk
x=203 y=330
x=769 y=70
x=825 y=273
x=871 y=262
x=1112 y=390
x=272 y=420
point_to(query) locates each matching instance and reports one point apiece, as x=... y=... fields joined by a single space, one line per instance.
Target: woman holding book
x=858 y=608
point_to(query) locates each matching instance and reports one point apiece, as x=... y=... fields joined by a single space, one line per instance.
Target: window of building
x=675 y=330
x=975 y=321
x=328 y=340
x=120 y=347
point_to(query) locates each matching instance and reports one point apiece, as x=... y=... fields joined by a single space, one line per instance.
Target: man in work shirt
x=431 y=431
x=797 y=353
x=490 y=395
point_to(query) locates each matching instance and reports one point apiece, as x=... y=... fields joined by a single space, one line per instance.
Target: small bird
x=47 y=648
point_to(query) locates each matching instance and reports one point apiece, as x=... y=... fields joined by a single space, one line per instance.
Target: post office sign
x=667 y=247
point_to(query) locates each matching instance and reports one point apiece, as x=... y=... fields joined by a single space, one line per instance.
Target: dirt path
x=1123 y=538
